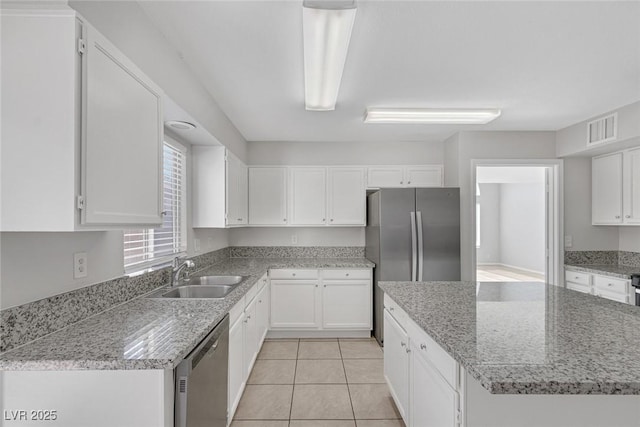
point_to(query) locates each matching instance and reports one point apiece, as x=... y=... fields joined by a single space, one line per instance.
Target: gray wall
x=489 y=250
x=522 y=226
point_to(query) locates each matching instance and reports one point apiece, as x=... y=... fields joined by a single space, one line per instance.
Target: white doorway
x=517 y=222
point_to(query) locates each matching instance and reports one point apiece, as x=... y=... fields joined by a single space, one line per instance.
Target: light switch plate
x=294 y=239
x=568 y=241
x=79 y=265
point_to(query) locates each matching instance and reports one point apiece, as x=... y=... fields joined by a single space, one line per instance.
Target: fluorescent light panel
x=326 y=40
x=429 y=115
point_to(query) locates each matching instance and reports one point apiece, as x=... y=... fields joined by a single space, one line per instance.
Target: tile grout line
x=293 y=389
x=353 y=411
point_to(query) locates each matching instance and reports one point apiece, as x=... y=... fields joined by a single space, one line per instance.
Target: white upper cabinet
x=631 y=199
x=346 y=196
x=308 y=196
x=268 y=196
x=405 y=176
x=424 y=176
x=123 y=136
x=219 y=188
x=385 y=176
x=237 y=191
x=82 y=129
x=615 y=185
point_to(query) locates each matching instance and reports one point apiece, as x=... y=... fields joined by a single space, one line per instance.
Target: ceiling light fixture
x=180 y=125
x=326 y=31
x=428 y=115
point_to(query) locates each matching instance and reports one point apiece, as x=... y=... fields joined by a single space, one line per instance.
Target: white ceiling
x=546 y=64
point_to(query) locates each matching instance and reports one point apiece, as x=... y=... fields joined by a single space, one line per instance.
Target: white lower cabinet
x=294 y=303
x=433 y=401
x=600 y=285
x=322 y=300
x=250 y=349
x=344 y=304
x=236 y=365
x=262 y=312
x=396 y=363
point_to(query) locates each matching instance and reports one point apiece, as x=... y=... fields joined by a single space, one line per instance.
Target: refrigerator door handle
x=420 y=246
x=414 y=252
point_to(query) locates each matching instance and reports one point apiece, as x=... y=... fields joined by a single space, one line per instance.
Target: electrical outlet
x=568 y=241
x=79 y=265
x=196 y=245
x=294 y=239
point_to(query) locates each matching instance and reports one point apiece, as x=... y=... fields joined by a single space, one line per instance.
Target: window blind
x=146 y=247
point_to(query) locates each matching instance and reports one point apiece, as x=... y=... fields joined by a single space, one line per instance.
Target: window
x=146 y=247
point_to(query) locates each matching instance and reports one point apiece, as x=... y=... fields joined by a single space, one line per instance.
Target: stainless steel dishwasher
x=201 y=382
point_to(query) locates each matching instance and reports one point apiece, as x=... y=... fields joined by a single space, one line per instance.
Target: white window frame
x=148 y=234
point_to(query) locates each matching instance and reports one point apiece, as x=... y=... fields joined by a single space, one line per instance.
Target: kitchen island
x=510 y=354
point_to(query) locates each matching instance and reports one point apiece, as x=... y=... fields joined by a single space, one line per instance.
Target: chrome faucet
x=180 y=269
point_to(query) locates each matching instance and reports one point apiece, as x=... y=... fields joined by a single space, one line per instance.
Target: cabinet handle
x=609 y=284
x=316 y=286
x=285 y=220
x=324 y=219
x=403 y=344
x=260 y=301
x=577 y=277
x=293 y=274
x=401 y=182
x=324 y=286
x=408 y=182
x=347 y=274
x=391 y=309
x=408 y=350
x=423 y=347
x=617 y=216
x=239 y=219
x=331 y=220
x=627 y=216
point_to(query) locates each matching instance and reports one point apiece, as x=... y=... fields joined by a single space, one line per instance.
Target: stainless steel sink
x=216 y=280
x=199 y=291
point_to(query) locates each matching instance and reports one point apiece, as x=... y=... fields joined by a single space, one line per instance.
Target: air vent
x=182 y=385
x=604 y=129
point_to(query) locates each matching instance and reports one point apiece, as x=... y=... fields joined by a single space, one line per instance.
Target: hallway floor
x=500 y=273
x=317 y=383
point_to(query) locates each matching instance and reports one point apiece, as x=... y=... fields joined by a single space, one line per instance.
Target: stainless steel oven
x=201 y=382
x=635 y=282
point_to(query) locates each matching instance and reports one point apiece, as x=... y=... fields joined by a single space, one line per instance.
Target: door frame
x=554 y=214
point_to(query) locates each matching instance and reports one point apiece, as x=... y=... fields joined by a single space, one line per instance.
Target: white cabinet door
x=632 y=186
x=396 y=363
x=122 y=139
x=346 y=304
x=423 y=176
x=262 y=314
x=236 y=364
x=383 y=176
x=308 y=196
x=433 y=402
x=267 y=196
x=294 y=304
x=250 y=348
x=347 y=196
x=606 y=184
x=237 y=184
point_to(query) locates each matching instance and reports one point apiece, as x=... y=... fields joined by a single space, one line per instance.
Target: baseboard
x=526 y=270
x=318 y=334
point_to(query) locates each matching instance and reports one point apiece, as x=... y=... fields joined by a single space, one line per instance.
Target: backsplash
x=631 y=259
x=297 y=252
x=27 y=322
x=24 y=323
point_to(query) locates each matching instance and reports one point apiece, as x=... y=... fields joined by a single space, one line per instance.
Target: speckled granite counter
x=615 y=270
x=529 y=338
x=150 y=333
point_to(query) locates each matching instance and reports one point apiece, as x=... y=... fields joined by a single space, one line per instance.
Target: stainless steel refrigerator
x=413 y=234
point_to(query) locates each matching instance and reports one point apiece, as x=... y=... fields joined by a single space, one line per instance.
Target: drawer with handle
x=609 y=284
x=340 y=274
x=293 y=274
x=577 y=277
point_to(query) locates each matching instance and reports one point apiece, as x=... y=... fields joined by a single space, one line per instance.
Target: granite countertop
x=616 y=270
x=147 y=333
x=529 y=338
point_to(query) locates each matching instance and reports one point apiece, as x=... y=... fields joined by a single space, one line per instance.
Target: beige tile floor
x=317 y=383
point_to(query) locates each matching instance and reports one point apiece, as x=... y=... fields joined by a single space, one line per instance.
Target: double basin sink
x=213 y=287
